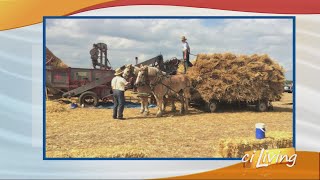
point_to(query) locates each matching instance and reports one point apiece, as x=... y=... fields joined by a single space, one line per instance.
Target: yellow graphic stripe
x=19 y=13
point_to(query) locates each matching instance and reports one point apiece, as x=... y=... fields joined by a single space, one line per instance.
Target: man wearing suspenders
x=118 y=84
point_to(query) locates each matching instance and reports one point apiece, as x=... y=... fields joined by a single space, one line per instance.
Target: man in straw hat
x=118 y=84
x=185 y=53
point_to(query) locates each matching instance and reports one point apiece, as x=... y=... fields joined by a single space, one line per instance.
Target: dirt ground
x=91 y=132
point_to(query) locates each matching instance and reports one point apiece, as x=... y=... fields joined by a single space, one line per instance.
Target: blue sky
x=72 y=39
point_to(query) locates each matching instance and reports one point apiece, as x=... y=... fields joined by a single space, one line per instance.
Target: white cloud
x=72 y=39
x=117 y=42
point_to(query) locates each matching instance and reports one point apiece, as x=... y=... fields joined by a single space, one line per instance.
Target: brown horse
x=131 y=72
x=162 y=85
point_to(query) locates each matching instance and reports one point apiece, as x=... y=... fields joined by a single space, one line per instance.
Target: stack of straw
x=236 y=148
x=54 y=106
x=227 y=77
x=53 y=60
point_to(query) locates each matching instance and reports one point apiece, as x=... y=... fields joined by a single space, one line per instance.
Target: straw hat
x=183 y=38
x=118 y=72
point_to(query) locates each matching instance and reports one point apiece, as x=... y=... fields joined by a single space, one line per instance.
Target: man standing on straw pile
x=185 y=53
x=118 y=84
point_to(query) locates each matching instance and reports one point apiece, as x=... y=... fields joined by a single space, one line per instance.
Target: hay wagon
x=242 y=80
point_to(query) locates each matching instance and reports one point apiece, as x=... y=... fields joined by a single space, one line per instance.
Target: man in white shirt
x=118 y=84
x=185 y=53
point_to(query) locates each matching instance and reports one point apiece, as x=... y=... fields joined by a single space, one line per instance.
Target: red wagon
x=89 y=85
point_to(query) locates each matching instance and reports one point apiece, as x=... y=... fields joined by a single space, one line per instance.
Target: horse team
x=151 y=80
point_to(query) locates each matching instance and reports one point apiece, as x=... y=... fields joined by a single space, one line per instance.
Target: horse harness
x=159 y=80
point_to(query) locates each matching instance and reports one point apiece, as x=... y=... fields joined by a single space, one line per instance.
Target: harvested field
x=85 y=132
x=54 y=106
